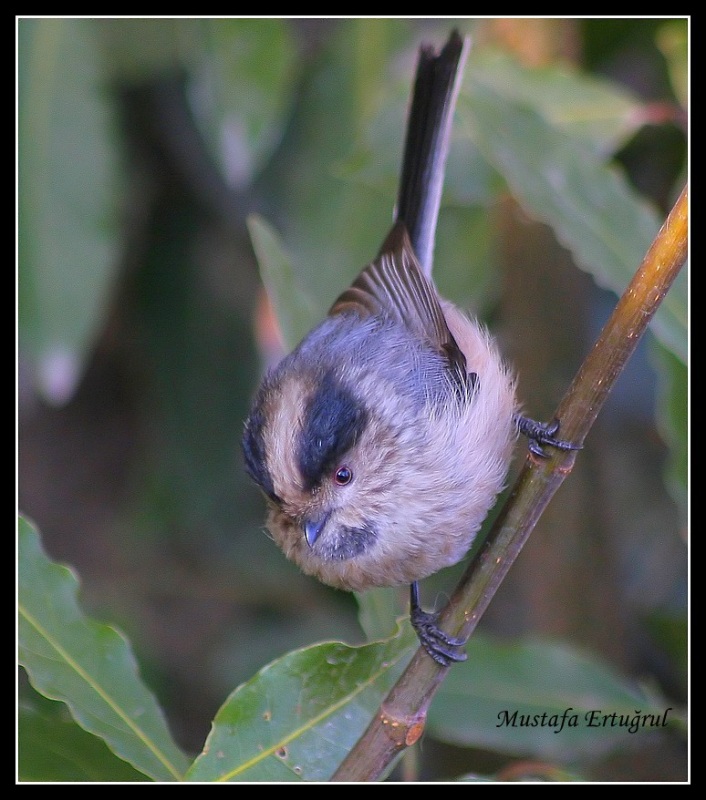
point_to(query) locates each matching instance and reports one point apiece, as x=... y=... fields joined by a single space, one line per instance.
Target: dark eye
x=343 y=476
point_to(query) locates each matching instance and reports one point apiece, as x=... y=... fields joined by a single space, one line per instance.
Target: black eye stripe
x=333 y=421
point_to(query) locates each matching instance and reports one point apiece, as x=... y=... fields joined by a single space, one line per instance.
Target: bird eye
x=343 y=476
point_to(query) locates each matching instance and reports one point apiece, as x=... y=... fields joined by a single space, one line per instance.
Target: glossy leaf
x=590 y=207
x=300 y=715
x=512 y=698
x=87 y=665
x=597 y=112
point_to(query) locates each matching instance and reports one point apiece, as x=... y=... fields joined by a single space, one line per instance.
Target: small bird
x=383 y=439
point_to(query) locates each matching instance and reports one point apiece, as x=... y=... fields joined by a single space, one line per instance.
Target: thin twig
x=401 y=717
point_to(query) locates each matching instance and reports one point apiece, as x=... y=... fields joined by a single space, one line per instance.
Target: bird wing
x=394 y=286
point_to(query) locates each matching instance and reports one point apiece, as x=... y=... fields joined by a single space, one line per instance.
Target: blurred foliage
x=66 y=214
x=156 y=158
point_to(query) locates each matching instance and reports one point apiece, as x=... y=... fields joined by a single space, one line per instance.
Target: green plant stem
x=401 y=717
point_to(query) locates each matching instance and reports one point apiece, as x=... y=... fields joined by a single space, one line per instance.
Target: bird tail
x=436 y=87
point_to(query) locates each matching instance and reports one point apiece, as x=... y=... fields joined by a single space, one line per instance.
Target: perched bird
x=384 y=438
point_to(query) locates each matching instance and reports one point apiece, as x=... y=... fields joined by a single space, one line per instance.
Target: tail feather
x=431 y=113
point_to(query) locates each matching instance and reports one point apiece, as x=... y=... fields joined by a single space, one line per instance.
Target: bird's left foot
x=442 y=647
x=540 y=434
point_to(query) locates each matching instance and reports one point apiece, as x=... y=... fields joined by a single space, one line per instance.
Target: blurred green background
x=144 y=146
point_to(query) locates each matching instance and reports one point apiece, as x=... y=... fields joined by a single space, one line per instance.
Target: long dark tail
x=427 y=143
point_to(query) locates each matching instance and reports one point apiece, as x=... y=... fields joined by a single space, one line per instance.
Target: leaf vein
x=102 y=693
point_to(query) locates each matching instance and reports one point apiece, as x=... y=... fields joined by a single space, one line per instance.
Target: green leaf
x=513 y=697
x=378 y=611
x=376 y=157
x=140 y=49
x=592 y=210
x=67 y=182
x=300 y=715
x=670 y=629
x=52 y=747
x=241 y=75
x=334 y=226
x=293 y=308
x=673 y=419
x=597 y=112
x=87 y=665
x=249 y=79
x=673 y=40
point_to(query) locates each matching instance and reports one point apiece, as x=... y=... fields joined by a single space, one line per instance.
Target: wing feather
x=394 y=285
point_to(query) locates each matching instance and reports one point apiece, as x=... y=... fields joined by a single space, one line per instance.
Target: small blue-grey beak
x=313 y=527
